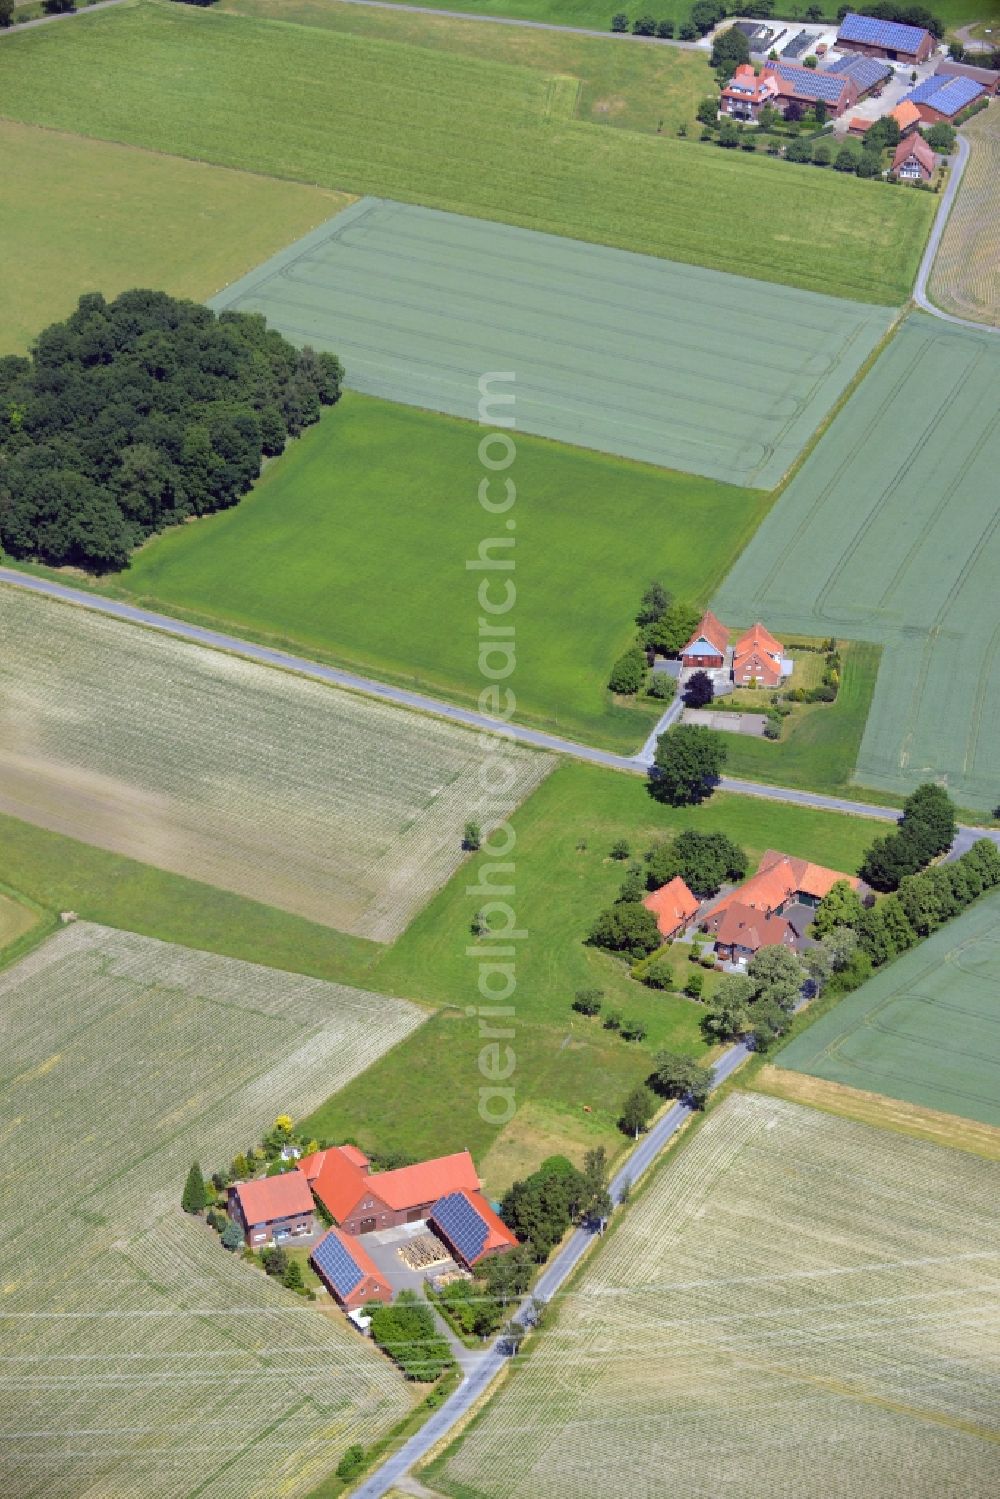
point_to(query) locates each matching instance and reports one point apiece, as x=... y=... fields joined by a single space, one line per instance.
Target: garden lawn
x=83 y=215
x=459 y=133
x=818 y=749
x=925 y=1030
x=563 y=877
x=353 y=547
x=889 y=533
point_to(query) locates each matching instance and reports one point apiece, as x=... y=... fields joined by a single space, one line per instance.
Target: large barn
x=891 y=39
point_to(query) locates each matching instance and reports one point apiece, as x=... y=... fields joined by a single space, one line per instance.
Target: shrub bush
x=628 y=671
x=658 y=974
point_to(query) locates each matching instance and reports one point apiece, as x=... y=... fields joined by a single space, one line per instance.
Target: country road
x=481 y=1374
x=419 y=702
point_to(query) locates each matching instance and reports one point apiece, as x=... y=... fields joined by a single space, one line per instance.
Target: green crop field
x=138 y=1356
x=79 y=215
x=890 y=533
x=927 y=1030
x=563 y=877
x=353 y=547
x=797 y=1304
x=320 y=802
x=463 y=134
x=665 y=363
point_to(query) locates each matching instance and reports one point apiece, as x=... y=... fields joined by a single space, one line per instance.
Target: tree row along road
x=419 y=702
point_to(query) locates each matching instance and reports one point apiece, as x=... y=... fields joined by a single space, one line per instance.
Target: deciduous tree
x=687 y=764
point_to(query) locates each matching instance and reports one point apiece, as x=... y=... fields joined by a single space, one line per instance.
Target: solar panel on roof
x=892 y=35
x=337 y=1266
x=948 y=95
x=865 y=71
x=812 y=85
x=461 y=1225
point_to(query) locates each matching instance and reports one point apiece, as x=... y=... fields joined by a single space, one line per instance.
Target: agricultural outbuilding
x=348 y=1271
x=361 y=1201
x=942 y=98
x=890 y=39
x=470 y=1228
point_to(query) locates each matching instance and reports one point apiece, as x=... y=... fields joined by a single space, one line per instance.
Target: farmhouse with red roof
x=755 y=915
x=272 y=1209
x=673 y=905
x=470 y=1228
x=914 y=160
x=348 y=1271
x=740 y=932
x=361 y=1201
x=758 y=657
x=707 y=648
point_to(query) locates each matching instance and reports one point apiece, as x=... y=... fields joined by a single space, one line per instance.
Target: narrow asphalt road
x=466 y=15
x=402 y=697
x=482 y=1374
x=63 y=15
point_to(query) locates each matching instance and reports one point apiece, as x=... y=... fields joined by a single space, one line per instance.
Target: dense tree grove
x=704 y=861
x=136 y=414
x=406 y=1331
x=541 y=1208
x=926 y=829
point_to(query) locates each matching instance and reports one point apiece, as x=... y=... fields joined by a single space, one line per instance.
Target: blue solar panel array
x=892 y=35
x=949 y=95
x=337 y=1265
x=810 y=85
x=867 y=72
x=461 y=1225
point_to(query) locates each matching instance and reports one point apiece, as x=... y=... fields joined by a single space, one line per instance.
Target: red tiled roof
x=777 y=879
x=673 y=905
x=354 y=1154
x=715 y=633
x=339 y=1183
x=758 y=639
x=409 y=1186
x=274 y=1197
x=914 y=145
x=905 y=114
x=742 y=926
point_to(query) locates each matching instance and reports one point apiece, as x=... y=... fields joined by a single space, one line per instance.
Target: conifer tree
x=195 y=1197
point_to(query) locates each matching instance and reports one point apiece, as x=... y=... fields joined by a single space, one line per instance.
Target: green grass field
x=410 y=123
x=819 y=749
x=385 y=498
x=889 y=533
x=926 y=1030
x=795 y=1304
x=635 y=87
x=665 y=363
x=563 y=877
x=81 y=215
x=590 y=13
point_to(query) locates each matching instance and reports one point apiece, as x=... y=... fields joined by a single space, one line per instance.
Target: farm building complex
x=360 y=1201
x=756 y=659
x=780 y=84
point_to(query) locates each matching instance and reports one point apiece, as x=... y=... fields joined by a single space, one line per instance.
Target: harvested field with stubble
x=797 y=1304
x=965 y=279
x=137 y=1356
x=315 y=800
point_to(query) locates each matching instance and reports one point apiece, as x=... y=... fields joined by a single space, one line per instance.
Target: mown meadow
x=405 y=122
x=353 y=548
